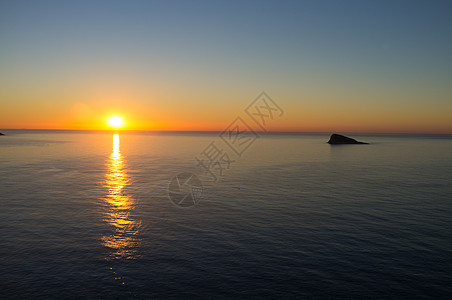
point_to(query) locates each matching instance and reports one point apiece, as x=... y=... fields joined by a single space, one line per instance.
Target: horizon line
x=217 y=131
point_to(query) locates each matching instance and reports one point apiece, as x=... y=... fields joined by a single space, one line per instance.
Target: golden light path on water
x=124 y=241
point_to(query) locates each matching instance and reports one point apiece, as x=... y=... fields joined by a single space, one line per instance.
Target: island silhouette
x=338 y=139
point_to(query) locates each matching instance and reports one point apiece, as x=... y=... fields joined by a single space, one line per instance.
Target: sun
x=115 y=122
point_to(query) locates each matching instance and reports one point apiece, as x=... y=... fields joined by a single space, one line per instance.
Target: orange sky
x=311 y=112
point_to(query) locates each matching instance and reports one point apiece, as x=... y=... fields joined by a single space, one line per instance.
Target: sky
x=332 y=66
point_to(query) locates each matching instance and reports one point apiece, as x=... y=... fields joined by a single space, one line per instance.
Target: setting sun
x=116 y=122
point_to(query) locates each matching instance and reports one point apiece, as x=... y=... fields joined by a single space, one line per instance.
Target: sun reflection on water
x=124 y=241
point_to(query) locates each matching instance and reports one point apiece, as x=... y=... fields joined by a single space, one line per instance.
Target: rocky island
x=338 y=139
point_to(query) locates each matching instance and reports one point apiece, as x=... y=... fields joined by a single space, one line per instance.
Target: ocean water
x=88 y=215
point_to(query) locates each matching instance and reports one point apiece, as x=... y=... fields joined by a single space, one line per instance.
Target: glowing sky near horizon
x=342 y=66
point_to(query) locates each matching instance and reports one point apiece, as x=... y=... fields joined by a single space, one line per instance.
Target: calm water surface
x=88 y=215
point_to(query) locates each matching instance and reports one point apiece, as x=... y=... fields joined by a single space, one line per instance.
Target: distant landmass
x=338 y=139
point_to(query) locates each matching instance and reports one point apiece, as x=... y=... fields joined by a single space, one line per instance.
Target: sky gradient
x=332 y=66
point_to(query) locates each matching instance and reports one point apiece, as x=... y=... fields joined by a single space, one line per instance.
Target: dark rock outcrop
x=1 y=133
x=338 y=139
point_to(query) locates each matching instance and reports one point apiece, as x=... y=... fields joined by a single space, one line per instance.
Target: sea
x=138 y=215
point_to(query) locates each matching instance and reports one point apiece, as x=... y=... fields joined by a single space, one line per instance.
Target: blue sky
x=376 y=54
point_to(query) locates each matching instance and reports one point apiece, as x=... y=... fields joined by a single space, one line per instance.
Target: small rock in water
x=337 y=139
